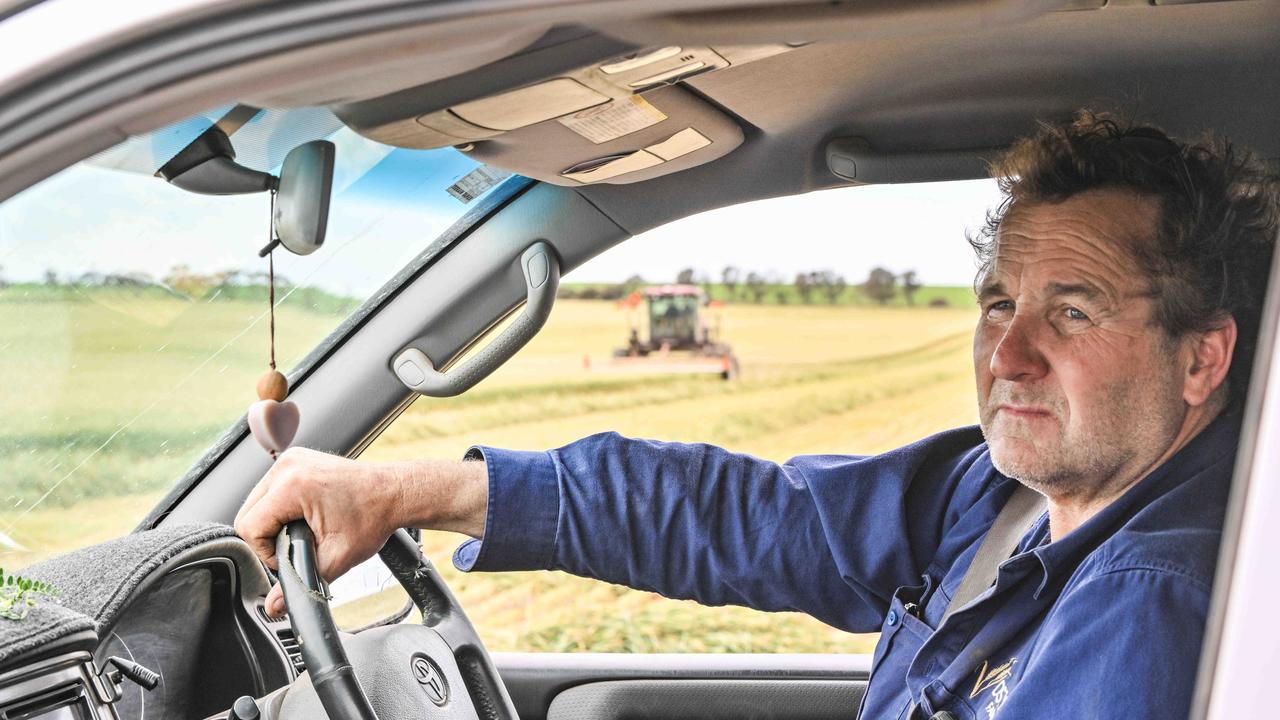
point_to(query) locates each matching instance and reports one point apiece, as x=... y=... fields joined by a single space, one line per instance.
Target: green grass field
x=814 y=379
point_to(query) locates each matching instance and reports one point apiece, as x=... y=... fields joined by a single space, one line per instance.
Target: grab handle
x=541 y=277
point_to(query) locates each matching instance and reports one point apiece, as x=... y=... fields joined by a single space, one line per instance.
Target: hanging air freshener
x=273 y=420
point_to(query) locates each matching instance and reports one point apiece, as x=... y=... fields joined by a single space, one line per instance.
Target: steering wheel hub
x=431 y=679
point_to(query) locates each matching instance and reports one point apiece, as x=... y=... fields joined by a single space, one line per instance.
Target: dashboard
x=196 y=622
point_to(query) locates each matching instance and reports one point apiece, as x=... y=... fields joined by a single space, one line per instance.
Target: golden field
x=840 y=379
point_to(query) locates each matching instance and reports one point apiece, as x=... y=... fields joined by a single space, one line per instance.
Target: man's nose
x=1017 y=356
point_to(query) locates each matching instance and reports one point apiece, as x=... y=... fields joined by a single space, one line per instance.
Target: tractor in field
x=679 y=340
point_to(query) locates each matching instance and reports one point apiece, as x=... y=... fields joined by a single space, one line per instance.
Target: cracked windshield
x=134 y=326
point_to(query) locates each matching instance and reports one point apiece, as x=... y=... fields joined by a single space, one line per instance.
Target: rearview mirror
x=302 y=197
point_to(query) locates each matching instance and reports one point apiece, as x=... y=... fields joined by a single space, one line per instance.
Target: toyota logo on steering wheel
x=431 y=679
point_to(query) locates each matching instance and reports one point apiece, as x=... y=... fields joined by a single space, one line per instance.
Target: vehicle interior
x=591 y=123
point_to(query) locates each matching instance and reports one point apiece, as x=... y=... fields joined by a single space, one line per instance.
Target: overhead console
x=617 y=120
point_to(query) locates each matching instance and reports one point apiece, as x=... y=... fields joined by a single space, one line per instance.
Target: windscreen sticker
x=476 y=183
x=612 y=120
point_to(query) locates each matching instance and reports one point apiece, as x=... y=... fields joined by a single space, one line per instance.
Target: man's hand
x=353 y=506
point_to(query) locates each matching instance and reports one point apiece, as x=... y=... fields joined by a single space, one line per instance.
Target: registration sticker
x=476 y=183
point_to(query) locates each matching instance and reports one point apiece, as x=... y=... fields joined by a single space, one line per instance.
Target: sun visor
x=618 y=142
x=593 y=115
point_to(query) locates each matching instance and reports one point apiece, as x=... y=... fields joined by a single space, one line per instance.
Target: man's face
x=1076 y=385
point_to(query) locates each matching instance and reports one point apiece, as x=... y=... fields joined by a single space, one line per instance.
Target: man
x=1119 y=302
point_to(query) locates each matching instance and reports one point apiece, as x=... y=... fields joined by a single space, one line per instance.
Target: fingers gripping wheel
x=438 y=669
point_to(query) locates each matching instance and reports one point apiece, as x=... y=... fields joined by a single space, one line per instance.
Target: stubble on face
x=1065 y=455
x=1083 y=405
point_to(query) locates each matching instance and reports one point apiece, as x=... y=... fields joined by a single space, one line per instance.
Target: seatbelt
x=1022 y=509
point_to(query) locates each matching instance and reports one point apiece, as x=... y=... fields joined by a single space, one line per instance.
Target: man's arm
x=831 y=536
x=354 y=506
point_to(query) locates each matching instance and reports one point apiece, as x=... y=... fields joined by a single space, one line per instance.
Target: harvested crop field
x=843 y=379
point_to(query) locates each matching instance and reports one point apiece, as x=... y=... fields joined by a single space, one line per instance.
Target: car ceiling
x=1188 y=68
x=910 y=86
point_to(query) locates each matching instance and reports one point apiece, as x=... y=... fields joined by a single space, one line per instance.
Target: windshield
x=135 y=313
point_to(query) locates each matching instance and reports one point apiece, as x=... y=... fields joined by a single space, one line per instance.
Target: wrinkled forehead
x=1095 y=238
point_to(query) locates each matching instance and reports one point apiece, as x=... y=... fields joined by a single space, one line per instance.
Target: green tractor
x=679 y=341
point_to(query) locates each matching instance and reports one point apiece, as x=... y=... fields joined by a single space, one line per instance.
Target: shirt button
x=893 y=618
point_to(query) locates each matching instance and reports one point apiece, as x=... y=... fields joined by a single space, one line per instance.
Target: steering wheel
x=438 y=669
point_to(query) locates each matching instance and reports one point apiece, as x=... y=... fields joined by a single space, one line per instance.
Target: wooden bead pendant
x=273 y=386
x=273 y=421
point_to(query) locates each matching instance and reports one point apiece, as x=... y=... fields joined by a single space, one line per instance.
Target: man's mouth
x=1027 y=412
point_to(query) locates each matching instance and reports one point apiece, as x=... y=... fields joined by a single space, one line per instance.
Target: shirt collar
x=1211 y=445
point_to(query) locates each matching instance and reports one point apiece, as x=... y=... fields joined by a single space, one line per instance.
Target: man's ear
x=1211 y=353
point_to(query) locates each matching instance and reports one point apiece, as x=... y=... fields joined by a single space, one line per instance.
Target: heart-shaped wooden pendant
x=273 y=424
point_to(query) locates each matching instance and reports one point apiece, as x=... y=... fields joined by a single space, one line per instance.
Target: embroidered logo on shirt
x=994 y=679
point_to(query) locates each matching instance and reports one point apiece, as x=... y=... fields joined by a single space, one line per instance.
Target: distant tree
x=685 y=276
x=804 y=287
x=909 y=286
x=730 y=276
x=880 y=285
x=3 y=283
x=756 y=287
x=50 y=277
x=833 y=286
x=631 y=284
x=780 y=295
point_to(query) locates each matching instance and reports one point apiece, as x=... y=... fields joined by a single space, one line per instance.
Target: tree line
x=880 y=286
x=181 y=283
x=814 y=286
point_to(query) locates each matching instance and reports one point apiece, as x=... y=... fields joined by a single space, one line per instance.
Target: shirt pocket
x=901 y=635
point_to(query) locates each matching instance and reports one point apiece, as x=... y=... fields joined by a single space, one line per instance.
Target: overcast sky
x=849 y=230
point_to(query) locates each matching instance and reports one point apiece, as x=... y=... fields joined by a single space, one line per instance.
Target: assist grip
x=541 y=270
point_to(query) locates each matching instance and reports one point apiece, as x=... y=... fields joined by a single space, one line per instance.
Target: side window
x=837 y=322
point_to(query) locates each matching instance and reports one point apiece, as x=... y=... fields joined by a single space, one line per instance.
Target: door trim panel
x=535 y=679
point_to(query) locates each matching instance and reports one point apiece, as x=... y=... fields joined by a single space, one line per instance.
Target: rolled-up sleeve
x=524 y=508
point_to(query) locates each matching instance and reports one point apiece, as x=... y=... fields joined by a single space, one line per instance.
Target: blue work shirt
x=1106 y=622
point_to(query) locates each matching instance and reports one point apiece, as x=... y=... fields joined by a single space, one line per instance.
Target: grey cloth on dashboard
x=44 y=623
x=95 y=583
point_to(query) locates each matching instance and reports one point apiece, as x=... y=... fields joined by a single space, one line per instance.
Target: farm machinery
x=679 y=338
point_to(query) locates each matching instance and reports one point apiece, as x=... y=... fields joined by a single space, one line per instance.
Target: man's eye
x=1076 y=314
x=999 y=309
